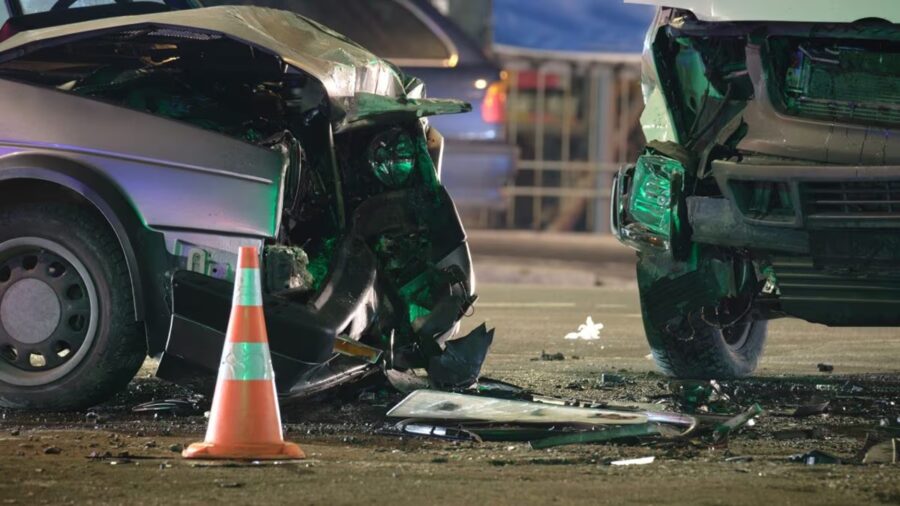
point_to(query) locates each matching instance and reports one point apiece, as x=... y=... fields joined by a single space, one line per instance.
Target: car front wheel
x=68 y=337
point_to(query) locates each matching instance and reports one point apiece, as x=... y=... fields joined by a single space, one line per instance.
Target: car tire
x=68 y=335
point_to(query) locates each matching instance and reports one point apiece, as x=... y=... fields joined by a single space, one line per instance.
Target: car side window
x=4 y=12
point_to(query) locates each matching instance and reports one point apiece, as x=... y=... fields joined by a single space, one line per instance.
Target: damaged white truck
x=141 y=147
x=770 y=185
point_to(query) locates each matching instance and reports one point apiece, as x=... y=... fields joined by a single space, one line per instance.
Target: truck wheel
x=710 y=353
x=68 y=338
x=695 y=348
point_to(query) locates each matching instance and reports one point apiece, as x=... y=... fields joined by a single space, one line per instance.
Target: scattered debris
x=885 y=452
x=174 y=407
x=435 y=405
x=817 y=408
x=815 y=457
x=825 y=367
x=724 y=429
x=460 y=363
x=549 y=357
x=633 y=462
x=604 y=435
x=588 y=331
x=700 y=396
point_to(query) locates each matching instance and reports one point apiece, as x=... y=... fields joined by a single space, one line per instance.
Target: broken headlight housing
x=392 y=157
x=646 y=210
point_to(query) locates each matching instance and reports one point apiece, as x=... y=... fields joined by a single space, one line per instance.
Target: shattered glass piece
x=434 y=405
x=460 y=363
x=693 y=395
x=587 y=331
x=600 y=436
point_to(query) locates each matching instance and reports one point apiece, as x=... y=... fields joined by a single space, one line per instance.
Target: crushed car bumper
x=309 y=352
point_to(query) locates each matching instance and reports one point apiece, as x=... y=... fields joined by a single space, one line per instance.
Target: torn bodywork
x=769 y=186
x=264 y=128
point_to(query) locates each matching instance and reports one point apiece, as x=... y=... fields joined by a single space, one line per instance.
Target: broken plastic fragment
x=738 y=421
x=814 y=457
x=811 y=409
x=633 y=462
x=428 y=430
x=460 y=363
x=588 y=331
x=351 y=348
x=435 y=405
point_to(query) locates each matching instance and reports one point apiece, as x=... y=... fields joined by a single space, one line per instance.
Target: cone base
x=260 y=451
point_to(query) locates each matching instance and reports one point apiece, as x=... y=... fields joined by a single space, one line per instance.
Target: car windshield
x=387 y=28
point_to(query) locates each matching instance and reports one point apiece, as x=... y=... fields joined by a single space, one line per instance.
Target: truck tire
x=68 y=336
x=710 y=353
x=698 y=350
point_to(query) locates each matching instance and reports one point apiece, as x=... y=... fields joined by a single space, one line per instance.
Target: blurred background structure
x=555 y=90
x=570 y=102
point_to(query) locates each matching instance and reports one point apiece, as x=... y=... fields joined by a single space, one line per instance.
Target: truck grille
x=867 y=200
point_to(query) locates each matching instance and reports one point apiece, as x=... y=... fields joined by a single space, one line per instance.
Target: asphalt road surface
x=113 y=456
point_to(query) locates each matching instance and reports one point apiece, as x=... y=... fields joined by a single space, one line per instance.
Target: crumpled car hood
x=351 y=75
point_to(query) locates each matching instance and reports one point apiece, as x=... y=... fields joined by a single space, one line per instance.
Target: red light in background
x=493 y=106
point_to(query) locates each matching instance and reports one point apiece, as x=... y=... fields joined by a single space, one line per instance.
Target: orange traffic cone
x=244 y=422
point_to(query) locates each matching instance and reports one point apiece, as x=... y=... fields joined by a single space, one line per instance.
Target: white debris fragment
x=588 y=331
x=633 y=462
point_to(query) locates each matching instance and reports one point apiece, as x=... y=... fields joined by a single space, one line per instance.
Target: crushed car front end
x=769 y=185
x=231 y=126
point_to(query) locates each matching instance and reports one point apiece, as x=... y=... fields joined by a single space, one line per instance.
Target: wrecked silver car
x=139 y=152
x=770 y=185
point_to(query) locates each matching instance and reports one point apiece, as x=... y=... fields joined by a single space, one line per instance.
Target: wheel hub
x=48 y=311
x=30 y=311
